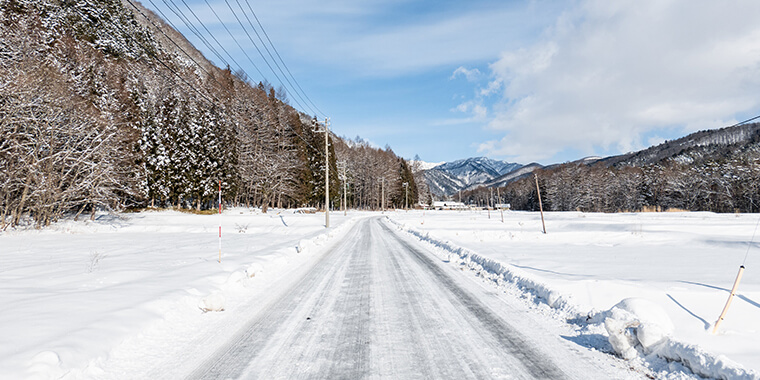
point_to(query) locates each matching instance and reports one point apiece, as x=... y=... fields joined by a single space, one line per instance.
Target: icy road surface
x=377 y=305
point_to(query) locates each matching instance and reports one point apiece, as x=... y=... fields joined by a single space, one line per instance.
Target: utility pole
x=220 y=221
x=382 y=194
x=406 y=195
x=540 y=205
x=343 y=175
x=498 y=199
x=327 y=173
x=327 y=170
x=490 y=200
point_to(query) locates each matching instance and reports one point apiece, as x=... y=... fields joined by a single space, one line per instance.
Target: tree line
x=695 y=181
x=375 y=176
x=97 y=114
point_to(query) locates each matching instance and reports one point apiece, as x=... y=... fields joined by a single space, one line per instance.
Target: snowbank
x=93 y=299
x=495 y=270
x=635 y=327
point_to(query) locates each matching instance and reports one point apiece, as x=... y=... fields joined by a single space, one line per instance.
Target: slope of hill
x=699 y=144
x=713 y=170
x=122 y=111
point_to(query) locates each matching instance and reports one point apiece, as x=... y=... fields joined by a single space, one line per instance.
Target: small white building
x=449 y=205
x=503 y=206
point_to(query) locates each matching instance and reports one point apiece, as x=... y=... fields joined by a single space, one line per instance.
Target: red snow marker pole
x=220 y=221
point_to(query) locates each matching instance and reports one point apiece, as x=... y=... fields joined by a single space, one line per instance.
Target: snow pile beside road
x=635 y=328
x=120 y=293
x=641 y=328
x=498 y=272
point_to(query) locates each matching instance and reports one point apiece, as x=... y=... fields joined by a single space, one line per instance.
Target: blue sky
x=524 y=81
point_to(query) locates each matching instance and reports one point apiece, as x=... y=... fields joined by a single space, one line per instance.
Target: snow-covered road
x=377 y=304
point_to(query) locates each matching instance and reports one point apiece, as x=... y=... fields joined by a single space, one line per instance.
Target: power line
x=179 y=76
x=281 y=60
x=150 y=54
x=295 y=92
x=235 y=39
x=744 y=122
x=209 y=33
x=259 y=50
x=177 y=45
x=190 y=26
x=227 y=52
x=231 y=57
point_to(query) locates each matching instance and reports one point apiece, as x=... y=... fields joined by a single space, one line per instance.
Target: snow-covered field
x=121 y=295
x=111 y=297
x=674 y=270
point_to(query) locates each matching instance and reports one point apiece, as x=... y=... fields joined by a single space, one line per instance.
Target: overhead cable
x=211 y=76
x=280 y=57
x=149 y=53
x=295 y=92
x=190 y=26
x=259 y=50
x=235 y=39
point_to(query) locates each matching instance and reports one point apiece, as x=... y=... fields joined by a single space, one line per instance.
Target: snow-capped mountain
x=426 y=165
x=503 y=180
x=450 y=177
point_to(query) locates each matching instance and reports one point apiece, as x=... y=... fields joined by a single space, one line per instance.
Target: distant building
x=503 y=206
x=449 y=205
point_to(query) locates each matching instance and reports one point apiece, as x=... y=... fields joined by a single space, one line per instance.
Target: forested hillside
x=715 y=170
x=99 y=109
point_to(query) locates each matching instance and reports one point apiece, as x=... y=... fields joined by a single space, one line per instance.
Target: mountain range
x=448 y=178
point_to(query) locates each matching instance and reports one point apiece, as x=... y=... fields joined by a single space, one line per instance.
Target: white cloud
x=493 y=87
x=476 y=111
x=470 y=75
x=366 y=39
x=608 y=72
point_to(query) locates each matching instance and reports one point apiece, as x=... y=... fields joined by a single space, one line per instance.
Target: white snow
x=117 y=296
x=427 y=165
x=102 y=299
x=637 y=325
x=651 y=284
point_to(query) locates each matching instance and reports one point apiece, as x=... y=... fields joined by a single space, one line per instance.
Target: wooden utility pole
x=327 y=169
x=220 y=221
x=343 y=176
x=498 y=201
x=540 y=205
x=382 y=194
x=406 y=195
x=490 y=201
x=327 y=173
x=345 y=198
